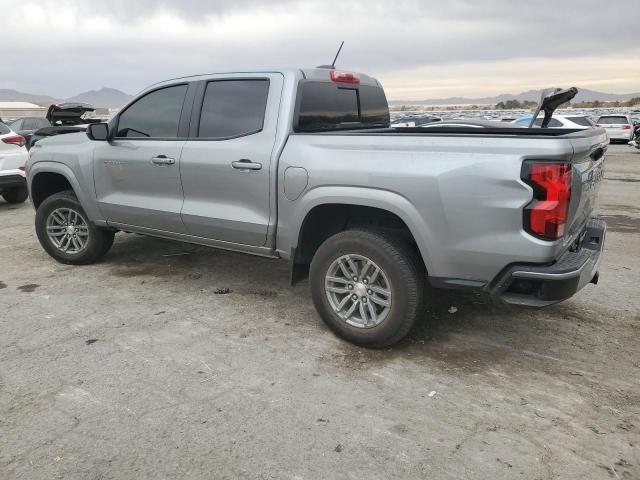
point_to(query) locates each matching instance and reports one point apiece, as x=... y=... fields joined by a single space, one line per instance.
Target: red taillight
x=15 y=140
x=344 y=77
x=546 y=216
x=626 y=127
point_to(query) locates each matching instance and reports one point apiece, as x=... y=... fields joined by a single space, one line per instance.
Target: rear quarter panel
x=461 y=196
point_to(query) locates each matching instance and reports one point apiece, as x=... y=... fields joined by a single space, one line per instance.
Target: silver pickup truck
x=302 y=165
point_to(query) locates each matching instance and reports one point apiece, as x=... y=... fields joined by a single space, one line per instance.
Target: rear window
x=4 y=129
x=331 y=106
x=613 y=120
x=35 y=123
x=584 y=121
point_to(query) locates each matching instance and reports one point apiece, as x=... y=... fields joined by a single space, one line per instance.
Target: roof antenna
x=333 y=65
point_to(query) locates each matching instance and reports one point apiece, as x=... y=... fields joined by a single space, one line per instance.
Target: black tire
x=99 y=240
x=403 y=269
x=15 y=195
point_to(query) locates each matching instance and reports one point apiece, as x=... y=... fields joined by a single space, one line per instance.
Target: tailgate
x=588 y=171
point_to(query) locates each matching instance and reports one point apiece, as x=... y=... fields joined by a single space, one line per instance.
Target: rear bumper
x=536 y=285
x=621 y=135
x=12 y=179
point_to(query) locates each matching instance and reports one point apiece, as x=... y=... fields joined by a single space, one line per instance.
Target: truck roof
x=315 y=73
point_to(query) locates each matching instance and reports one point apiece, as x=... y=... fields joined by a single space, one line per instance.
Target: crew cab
x=302 y=165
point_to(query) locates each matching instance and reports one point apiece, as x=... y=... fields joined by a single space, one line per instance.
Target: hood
x=68 y=113
x=69 y=137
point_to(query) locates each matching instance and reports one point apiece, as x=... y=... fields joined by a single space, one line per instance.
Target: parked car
x=577 y=122
x=13 y=156
x=619 y=127
x=302 y=165
x=64 y=118
x=26 y=126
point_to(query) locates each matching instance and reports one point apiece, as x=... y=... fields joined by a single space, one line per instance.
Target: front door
x=226 y=163
x=137 y=173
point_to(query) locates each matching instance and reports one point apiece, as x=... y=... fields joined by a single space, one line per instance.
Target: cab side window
x=156 y=115
x=233 y=108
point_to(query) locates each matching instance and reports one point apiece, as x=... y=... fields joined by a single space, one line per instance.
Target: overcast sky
x=418 y=49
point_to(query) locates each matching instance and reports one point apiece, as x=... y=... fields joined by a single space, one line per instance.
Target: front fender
x=392 y=202
x=82 y=186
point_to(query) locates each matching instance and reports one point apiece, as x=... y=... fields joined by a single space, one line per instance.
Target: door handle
x=245 y=164
x=163 y=160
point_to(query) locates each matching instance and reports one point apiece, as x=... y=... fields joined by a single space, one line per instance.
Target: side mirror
x=98 y=132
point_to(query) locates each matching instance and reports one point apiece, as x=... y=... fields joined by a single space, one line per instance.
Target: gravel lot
x=135 y=368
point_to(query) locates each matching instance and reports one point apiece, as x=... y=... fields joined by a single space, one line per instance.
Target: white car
x=13 y=156
x=618 y=126
x=577 y=122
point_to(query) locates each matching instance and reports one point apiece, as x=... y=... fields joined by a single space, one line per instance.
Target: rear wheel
x=367 y=286
x=15 y=195
x=66 y=233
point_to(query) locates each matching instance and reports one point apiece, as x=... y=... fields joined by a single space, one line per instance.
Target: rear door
x=137 y=174
x=226 y=162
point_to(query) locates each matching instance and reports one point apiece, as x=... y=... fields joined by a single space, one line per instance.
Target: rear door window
x=584 y=121
x=156 y=115
x=30 y=124
x=233 y=108
x=16 y=125
x=4 y=129
x=553 y=123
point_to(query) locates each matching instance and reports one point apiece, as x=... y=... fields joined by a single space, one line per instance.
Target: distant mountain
x=105 y=97
x=7 y=95
x=584 y=95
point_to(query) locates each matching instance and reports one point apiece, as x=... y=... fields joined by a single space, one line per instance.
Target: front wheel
x=16 y=195
x=367 y=286
x=66 y=233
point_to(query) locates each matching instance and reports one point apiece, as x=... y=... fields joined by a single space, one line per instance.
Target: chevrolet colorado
x=302 y=165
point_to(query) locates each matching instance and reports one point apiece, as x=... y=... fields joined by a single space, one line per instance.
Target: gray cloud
x=63 y=46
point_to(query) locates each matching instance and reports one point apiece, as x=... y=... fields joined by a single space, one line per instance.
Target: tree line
x=526 y=104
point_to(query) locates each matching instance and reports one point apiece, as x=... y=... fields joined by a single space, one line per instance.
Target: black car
x=27 y=126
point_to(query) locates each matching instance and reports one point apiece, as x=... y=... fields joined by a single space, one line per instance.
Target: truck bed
x=461 y=188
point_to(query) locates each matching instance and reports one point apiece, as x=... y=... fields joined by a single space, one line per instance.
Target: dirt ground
x=135 y=368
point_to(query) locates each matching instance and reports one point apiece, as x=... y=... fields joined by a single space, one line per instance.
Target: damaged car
x=65 y=118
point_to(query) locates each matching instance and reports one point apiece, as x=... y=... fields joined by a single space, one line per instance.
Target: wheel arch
x=332 y=204
x=48 y=178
